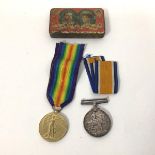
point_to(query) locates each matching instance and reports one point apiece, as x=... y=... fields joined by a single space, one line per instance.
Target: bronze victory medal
x=53 y=126
x=96 y=122
x=61 y=88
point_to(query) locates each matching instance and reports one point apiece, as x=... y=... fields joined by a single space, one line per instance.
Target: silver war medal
x=96 y=122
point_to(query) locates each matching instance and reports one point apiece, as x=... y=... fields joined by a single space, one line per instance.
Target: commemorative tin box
x=77 y=23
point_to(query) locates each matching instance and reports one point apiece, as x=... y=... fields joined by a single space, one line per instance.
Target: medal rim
x=88 y=131
x=66 y=121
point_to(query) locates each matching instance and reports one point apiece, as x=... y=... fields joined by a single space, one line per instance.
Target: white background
x=26 y=51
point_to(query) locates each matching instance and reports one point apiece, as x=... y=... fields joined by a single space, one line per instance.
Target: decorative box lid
x=77 y=23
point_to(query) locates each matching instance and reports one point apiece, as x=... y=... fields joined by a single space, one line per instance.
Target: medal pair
x=63 y=76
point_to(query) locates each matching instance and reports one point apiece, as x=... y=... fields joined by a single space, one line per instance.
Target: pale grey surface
x=26 y=51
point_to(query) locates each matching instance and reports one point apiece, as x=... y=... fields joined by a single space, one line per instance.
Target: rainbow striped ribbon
x=63 y=74
x=102 y=74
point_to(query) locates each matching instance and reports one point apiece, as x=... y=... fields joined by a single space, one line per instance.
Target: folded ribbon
x=102 y=74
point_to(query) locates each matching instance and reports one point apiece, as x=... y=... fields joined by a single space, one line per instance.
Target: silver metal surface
x=97 y=122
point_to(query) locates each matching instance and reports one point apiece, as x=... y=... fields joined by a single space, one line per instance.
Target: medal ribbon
x=63 y=74
x=102 y=74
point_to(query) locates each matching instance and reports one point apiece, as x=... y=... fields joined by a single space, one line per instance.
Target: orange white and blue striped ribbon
x=102 y=74
x=63 y=74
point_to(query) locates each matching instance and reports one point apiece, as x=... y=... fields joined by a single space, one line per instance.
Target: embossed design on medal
x=53 y=126
x=97 y=122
